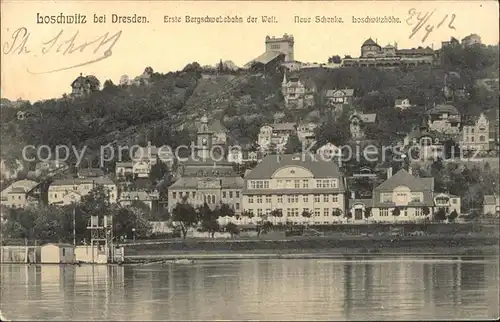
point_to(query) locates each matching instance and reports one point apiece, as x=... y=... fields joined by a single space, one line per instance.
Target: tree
x=337 y=212
x=426 y=211
x=158 y=172
x=247 y=214
x=452 y=216
x=293 y=144
x=232 y=229
x=440 y=215
x=396 y=211
x=185 y=215
x=334 y=59
x=368 y=212
x=130 y=221
x=306 y=214
x=224 y=210
x=208 y=219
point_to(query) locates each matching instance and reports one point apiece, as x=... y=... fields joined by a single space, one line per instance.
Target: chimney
x=389 y=172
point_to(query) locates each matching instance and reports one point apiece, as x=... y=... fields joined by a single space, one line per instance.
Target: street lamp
x=133 y=234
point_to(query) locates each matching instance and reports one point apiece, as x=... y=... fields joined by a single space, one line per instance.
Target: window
x=237 y=206
x=305 y=184
x=335 y=198
x=404 y=212
x=279 y=183
x=317 y=212
x=296 y=184
x=55 y=195
x=250 y=199
x=418 y=212
x=416 y=197
x=335 y=183
x=223 y=194
x=472 y=131
x=194 y=194
x=325 y=212
x=174 y=195
x=259 y=212
x=250 y=211
x=64 y=252
x=288 y=183
x=384 y=212
x=472 y=139
x=237 y=194
x=481 y=138
x=386 y=197
x=454 y=201
x=268 y=199
x=317 y=198
x=259 y=199
x=259 y=184
x=326 y=198
x=295 y=212
x=293 y=199
x=288 y=212
x=280 y=199
x=268 y=211
x=305 y=199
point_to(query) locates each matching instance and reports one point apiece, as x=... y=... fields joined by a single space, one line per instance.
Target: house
x=275 y=135
x=428 y=144
x=306 y=132
x=67 y=191
x=141 y=169
x=124 y=169
x=471 y=40
x=444 y=118
x=151 y=154
x=357 y=123
x=292 y=184
x=19 y=194
x=448 y=202
x=329 y=151
x=57 y=254
x=84 y=85
x=491 y=205
x=335 y=97
x=298 y=93
x=480 y=134
x=240 y=156
x=50 y=166
x=149 y=198
x=411 y=196
x=402 y=103
x=90 y=173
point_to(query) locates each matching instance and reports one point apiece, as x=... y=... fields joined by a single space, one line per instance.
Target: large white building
x=294 y=183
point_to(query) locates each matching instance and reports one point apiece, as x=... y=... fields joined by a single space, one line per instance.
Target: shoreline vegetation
x=325 y=247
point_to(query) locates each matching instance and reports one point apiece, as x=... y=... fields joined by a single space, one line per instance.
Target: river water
x=282 y=289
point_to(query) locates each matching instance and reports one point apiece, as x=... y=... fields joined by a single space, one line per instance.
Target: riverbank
x=471 y=253
x=314 y=248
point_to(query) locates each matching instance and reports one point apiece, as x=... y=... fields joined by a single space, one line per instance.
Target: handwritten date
x=423 y=19
x=98 y=48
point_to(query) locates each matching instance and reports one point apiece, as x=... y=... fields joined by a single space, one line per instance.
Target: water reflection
x=254 y=290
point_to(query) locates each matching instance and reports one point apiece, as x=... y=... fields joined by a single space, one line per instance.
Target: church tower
x=204 y=139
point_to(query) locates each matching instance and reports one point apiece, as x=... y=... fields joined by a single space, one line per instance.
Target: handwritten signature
x=101 y=46
x=422 y=19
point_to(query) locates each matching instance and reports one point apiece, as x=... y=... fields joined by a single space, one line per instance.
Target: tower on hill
x=282 y=44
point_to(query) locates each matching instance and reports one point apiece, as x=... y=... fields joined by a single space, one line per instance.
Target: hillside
x=164 y=111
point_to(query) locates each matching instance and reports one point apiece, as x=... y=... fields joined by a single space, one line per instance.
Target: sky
x=170 y=46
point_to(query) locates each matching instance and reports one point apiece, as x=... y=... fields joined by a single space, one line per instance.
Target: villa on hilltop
x=374 y=55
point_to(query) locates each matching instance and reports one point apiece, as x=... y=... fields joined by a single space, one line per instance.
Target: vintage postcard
x=249 y=160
